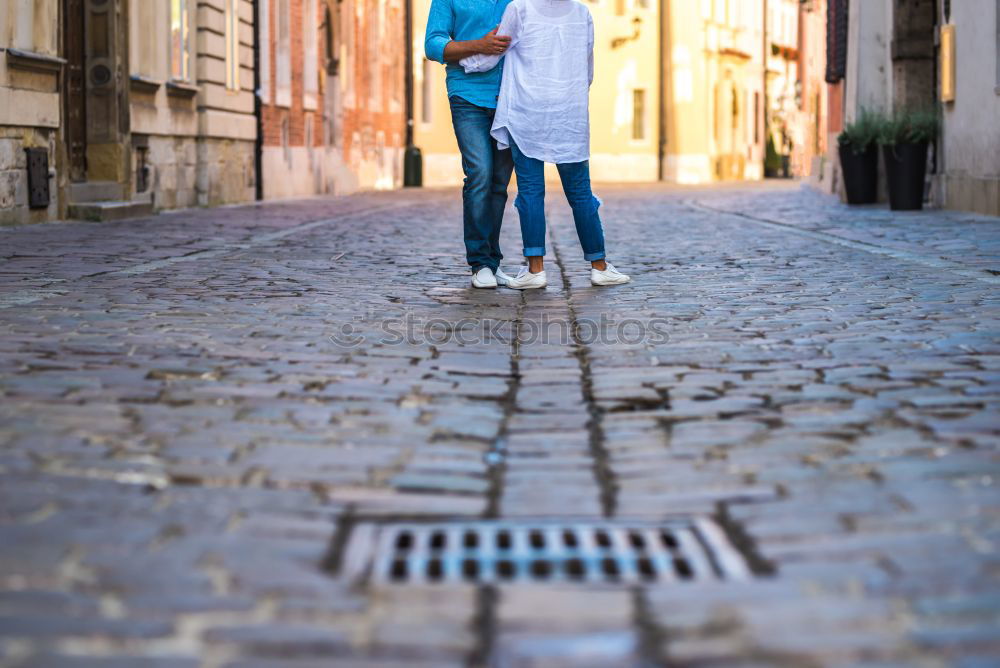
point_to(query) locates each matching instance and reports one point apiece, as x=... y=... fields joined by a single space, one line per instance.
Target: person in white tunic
x=543 y=116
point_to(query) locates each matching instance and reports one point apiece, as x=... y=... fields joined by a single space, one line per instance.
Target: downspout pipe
x=258 y=150
x=765 y=110
x=413 y=161
x=665 y=59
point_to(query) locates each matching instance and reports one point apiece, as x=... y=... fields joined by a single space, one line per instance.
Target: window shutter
x=836 y=40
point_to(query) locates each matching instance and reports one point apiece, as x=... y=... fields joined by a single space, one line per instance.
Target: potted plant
x=904 y=139
x=858 y=148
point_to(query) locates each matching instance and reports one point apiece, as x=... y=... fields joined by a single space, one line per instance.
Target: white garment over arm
x=544 y=96
x=510 y=26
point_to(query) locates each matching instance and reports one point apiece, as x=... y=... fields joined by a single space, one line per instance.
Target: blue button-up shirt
x=462 y=20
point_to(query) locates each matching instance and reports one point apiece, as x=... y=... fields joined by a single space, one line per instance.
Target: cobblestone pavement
x=195 y=407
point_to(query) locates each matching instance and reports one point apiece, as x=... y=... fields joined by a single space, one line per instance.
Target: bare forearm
x=455 y=51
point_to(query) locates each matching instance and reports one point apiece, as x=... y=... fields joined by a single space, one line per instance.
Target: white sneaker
x=525 y=280
x=609 y=276
x=503 y=278
x=484 y=278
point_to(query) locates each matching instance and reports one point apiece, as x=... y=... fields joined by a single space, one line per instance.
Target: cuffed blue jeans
x=487 y=175
x=530 y=204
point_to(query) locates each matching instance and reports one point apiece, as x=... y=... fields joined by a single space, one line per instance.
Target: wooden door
x=74 y=85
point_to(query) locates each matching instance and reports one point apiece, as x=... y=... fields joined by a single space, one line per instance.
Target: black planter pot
x=906 y=168
x=860 y=174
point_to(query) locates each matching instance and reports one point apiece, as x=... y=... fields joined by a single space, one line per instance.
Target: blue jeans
x=487 y=175
x=530 y=204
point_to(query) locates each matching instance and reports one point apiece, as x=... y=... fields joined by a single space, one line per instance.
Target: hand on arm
x=490 y=44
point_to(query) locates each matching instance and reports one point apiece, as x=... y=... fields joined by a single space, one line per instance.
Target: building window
x=310 y=39
x=180 y=67
x=374 y=57
x=836 y=40
x=283 y=60
x=331 y=49
x=264 y=68
x=349 y=48
x=427 y=93
x=148 y=51
x=638 y=114
x=232 y=18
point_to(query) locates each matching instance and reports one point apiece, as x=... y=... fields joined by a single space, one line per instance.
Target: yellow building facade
x=708 y=125
x=713 y=61
x=624 y=100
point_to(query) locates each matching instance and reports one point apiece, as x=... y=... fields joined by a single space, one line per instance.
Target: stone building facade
x=143 y=105
x=785 y=78
x=332 y=95
x=30 y=113
x=191 y=104
x=895 y=59
x=140 y=105
x=970 y=142
x=810 y=120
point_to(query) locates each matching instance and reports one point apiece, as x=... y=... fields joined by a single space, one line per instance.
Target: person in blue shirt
x=457 y=29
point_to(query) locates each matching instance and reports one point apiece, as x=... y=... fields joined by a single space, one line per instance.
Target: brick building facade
x=331 y=88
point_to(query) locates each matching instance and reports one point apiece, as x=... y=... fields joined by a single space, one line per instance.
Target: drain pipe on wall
x=763 y=96
x=258 y=148
x=665 y=61
x=413 y=161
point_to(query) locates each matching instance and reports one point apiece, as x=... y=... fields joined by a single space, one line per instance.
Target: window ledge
x=38 y=62
x=181 y=89
x=143 y=84
x=283 y=98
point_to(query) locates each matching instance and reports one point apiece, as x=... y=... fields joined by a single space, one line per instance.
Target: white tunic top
x=544 y=95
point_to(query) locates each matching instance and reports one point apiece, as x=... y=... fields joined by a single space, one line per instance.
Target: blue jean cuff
x=591 y=257
x=479 y=267
x=535 y=251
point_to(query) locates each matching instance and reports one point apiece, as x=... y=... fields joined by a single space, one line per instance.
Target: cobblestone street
x=196 y=409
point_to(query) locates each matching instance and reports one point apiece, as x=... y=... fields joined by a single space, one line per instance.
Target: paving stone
x=178 y=447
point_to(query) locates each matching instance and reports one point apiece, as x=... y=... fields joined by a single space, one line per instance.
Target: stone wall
x=14 y=175
x=173 y=162
x=30 y=112
x=225 y=172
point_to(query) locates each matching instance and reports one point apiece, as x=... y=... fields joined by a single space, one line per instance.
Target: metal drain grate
x=692 y=549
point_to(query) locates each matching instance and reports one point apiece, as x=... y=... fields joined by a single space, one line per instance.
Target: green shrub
x=909 y=126
x=863 y=132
